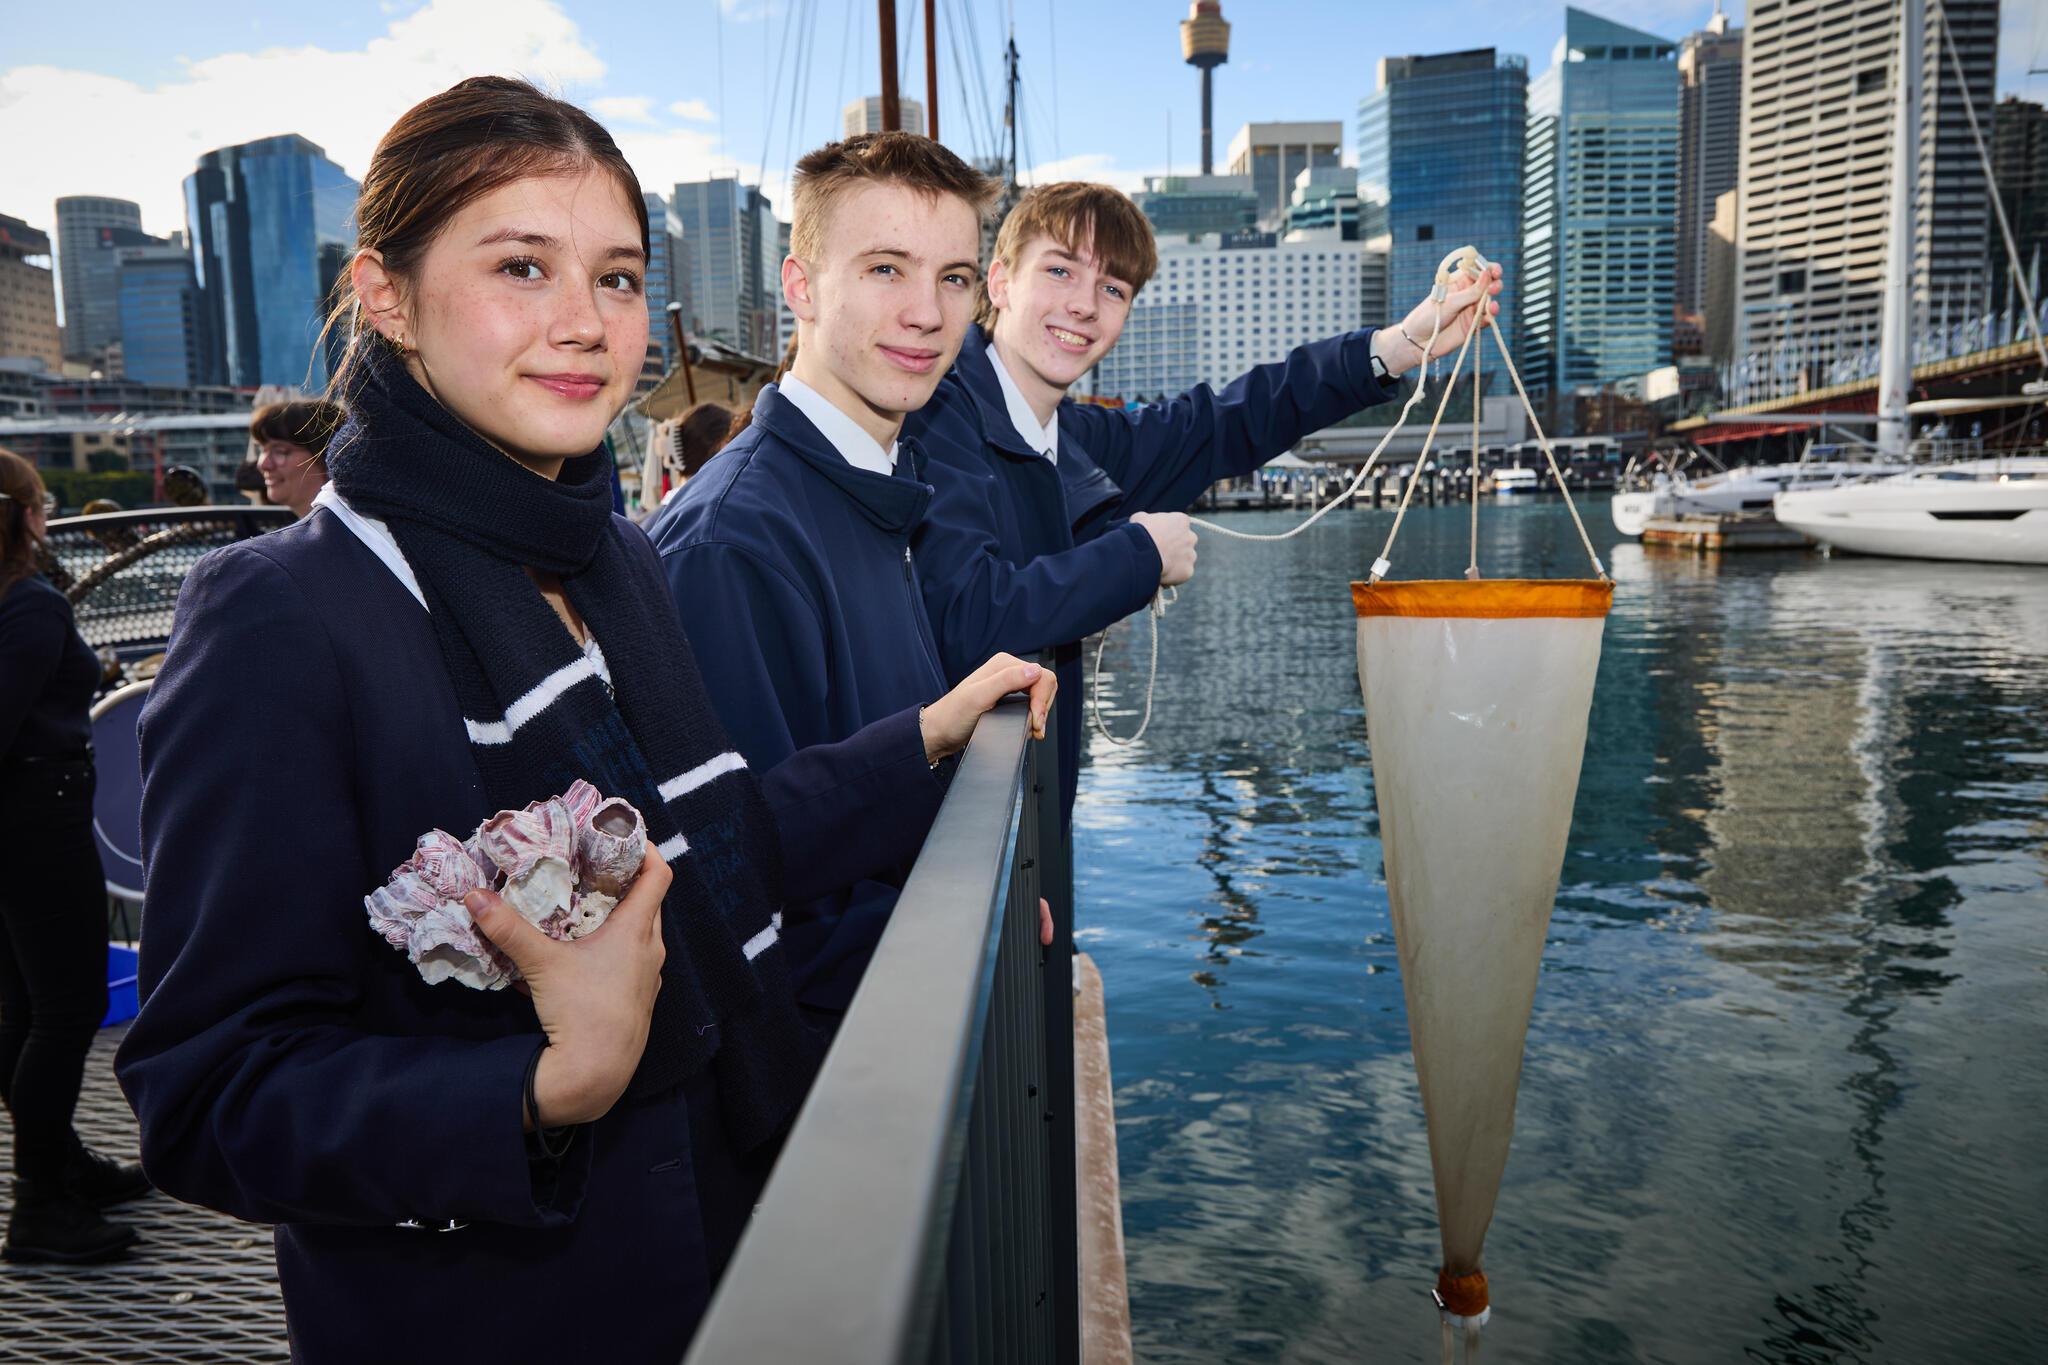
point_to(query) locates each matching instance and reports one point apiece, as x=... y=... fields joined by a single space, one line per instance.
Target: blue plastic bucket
x=122 y=1000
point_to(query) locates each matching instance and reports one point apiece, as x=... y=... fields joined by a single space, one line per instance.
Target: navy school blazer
x=793 y=576
x=289 y=1067
x=1020 y=554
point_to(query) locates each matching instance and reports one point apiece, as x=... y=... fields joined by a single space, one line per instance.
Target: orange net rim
x=1486 y=598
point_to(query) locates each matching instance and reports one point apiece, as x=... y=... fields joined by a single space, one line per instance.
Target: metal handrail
x=922 y=1208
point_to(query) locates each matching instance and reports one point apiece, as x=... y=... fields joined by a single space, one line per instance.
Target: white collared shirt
x=377 y=536
x=1041 y=437
x=859 y=449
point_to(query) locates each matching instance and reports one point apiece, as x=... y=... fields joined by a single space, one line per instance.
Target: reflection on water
x=1788 y=1069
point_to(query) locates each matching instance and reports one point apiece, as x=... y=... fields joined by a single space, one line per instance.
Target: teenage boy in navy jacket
x=789 y=556
x=1053 y=520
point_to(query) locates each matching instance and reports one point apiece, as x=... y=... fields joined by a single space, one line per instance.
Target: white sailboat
x=1729 y=492
x=1992 y=510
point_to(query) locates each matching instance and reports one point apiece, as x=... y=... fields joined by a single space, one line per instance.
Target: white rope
x=1154 y=609
x=1364 y=469
x=1383 y=563
x=1551 y=456
x=1472 y=565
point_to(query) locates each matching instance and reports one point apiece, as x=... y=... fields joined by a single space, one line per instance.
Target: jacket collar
x=893 y=503
x=1087 y=487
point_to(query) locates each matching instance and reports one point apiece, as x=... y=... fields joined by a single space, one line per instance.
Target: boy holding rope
x=1047 y=513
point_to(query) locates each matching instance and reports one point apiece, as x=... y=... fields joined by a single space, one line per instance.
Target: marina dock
x=1714 y=534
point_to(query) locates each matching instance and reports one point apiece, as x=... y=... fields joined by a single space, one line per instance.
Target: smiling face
x=292 y=475
x=882 y=311
x=1057 y=313
x=526 y=317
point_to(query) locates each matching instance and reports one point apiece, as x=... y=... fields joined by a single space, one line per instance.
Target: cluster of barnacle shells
x=562 y=863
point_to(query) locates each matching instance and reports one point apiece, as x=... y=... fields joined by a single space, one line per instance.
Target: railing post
x=1056 y=884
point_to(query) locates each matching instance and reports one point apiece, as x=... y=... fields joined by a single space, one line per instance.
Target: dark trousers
x=53 y=955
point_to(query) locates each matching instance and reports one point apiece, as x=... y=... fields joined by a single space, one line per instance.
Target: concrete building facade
x=1817 y=160
x=1709 y=150
x=865 y=116
x=28 y=295
x=1273 y=154
x=1221 y=304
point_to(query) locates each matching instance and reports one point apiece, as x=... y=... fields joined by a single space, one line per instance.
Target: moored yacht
x=1510 y=482
x=1726 y=492
x=1994 y=510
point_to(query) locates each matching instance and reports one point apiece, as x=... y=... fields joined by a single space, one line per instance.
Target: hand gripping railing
x=923 y=1207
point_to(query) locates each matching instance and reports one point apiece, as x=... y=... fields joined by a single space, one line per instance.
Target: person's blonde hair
x=1083 y=217
x=826 y=175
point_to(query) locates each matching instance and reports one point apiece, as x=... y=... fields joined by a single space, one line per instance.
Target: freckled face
x=527 y=317
x=1058 y=311
x=886 y=306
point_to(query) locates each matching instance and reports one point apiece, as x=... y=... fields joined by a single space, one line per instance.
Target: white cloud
x=624 y=108
x=139 y=142
x=1089 y=166
x=693 y=109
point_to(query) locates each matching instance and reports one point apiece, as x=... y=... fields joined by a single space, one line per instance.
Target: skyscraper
x=1184 y=205
x=90 y=229
x=1817 y=160
x=271 y=226
x=1440 y=147
x=28 y=295
x=1709 y=148
x=1272 y=154
x=163 y=316
x=865 y=116
x=1599 y=223
x=2019 y=166
x=1205 y=45
x=730 y=232
x=664 y=278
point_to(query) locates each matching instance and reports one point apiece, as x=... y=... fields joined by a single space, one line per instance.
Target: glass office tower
x=163 y=316
x=730 y=239
x=1440 y=146
x=1599 y=226
x=271 y=226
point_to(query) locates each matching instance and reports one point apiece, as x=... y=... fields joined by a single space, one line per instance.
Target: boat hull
x=1986 y=522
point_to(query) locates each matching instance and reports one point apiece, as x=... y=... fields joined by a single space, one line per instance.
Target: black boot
x=49 y=1224
x=100 y=1180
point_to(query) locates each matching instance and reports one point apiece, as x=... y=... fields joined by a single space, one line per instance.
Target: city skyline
x=140 y=98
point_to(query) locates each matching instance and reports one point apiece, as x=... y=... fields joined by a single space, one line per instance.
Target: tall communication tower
x=1205 y=44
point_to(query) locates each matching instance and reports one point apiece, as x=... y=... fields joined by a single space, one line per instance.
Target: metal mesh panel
x=122 y=570
x=201 y=1286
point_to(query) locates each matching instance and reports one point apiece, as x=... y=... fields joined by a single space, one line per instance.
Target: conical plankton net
x=1476 y=701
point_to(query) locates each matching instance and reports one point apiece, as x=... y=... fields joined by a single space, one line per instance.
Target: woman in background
x=53 y=905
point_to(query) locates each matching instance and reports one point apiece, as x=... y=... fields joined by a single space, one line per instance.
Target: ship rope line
x=1464 y=261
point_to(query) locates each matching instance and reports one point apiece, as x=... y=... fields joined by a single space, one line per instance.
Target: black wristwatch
x=1380 y=373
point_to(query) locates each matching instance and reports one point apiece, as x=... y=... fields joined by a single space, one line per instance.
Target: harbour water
x=1785 y=1097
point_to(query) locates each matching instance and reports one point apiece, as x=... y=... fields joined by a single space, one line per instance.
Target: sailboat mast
x=931 y=70
x=1895 y=361
x=892 y=105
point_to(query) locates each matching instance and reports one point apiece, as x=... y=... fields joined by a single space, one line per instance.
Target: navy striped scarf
x=470 y=520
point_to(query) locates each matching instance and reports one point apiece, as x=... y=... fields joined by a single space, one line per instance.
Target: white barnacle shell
x=447 y=865
x=587 y=912
x=580 y=800
x=447 y=946
x=515 y=840
x=397 y=906
x=612 y=843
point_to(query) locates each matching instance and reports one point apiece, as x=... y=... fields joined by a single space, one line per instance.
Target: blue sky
x=122 y=102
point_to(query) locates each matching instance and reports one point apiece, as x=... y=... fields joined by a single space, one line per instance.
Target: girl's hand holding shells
x=594 y=996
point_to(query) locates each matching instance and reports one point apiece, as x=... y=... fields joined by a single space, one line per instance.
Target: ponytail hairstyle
x=444 y=154
x=21 y=488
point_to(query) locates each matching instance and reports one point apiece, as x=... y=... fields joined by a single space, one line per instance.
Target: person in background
x=701 y=433
x=53 y=906
x=292 y=438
